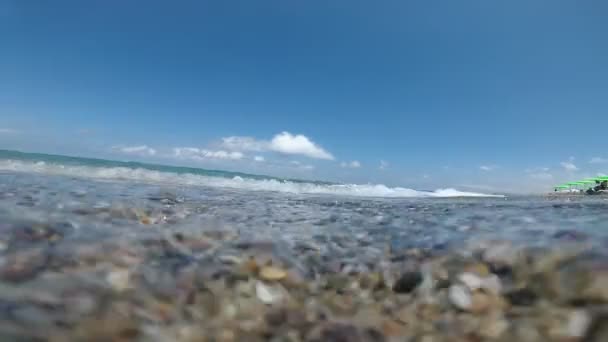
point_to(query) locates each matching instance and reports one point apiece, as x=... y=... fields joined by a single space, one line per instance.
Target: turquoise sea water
x=104 y=163
x=100 y=169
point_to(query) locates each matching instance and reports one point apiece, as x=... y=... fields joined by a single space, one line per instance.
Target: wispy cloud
x=245 y=144
x=487 y=167
x=383 y=165
x=598 y=160
x=9 y=131
x=142 y=150
x=545 y=176
x=259 y=158
x=194 y=153
x=284 y=142
x=569 y=166
x=355 y=164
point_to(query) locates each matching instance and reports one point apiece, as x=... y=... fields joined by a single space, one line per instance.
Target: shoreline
x=82 y=260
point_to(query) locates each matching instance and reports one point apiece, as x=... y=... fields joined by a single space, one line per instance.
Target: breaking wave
x=141 y=174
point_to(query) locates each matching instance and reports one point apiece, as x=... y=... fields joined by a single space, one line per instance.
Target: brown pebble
x=481 y=302
x=271 y=273
x=392 y=328
x=478 y=268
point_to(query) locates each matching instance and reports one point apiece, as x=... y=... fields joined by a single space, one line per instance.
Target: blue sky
x=424 y=94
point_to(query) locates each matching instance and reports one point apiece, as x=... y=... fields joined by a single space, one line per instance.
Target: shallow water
x=121 y=209
x=117 y=260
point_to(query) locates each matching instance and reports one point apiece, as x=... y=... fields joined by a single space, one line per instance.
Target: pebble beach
x=110 y=260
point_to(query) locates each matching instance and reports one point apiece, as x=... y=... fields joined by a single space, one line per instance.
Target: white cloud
x=383 y=165
x=598 y=160
x=195 y=153
x=142 y=150
x=486 y=168
x=258 y=158
x=8 y=131
x=355 y=164
x=569 y=166
x=284 y=142
x=287 y=143
x=308 y=167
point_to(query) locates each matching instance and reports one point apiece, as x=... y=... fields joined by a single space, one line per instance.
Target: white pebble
x=460 y=297
x=268 y=294
x=578 y=322
x=470 y=280
x=492 y=284
x=119 y=279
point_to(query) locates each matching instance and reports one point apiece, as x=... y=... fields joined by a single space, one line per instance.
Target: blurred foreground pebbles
x=214 y=285
x=127 y=262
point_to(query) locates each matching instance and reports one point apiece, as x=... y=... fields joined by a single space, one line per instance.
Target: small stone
x=271 y=273
x=500 y=253
x=119 y=280
x=230 y=259
x=522 y=297
x=493 y=326
x=460 y=296
x=268 y=294
x=276 y=317
x=407 y=282
x=525 y=331
x=481 y=302
x=492 y=284
x=578 y=323
x=598 y=331
x=470 y=280
x=478 y=269
x=342 y=332
x=583 y=279
x=392 y=328
x=23 y=265
x=566 y=324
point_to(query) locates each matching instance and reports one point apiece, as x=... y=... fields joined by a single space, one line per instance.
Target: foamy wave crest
x=189 y=179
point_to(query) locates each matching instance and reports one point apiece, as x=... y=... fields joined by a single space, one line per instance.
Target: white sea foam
x=153 y=176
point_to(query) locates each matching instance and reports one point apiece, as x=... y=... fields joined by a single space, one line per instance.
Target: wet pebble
x=407 y=282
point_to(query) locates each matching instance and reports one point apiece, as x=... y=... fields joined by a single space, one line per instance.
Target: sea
x=102 y=199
